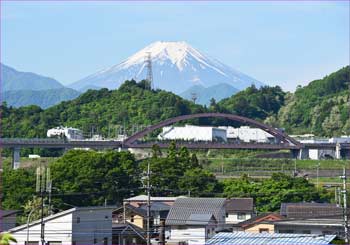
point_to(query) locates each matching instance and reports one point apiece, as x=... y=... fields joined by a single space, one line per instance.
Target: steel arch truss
x=286 y=141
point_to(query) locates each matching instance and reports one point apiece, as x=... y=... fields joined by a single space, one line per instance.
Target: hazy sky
x=279 y=43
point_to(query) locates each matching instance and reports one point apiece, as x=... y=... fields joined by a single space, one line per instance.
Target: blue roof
x=246 y=238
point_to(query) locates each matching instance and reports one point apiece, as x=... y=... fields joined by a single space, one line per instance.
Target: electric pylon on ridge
x=148 y=65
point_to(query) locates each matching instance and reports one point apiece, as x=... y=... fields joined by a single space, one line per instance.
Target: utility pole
x=345 y=208
x=317 y=173
x=43 y=184
x=148 y=204
x=147 y=186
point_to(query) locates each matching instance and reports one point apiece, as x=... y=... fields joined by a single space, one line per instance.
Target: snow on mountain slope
x=176 y=67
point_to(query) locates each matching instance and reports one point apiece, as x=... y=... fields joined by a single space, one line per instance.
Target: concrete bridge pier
x=338 y=151
x=16 y=158
x=302 y=153
x=294 y=153
x=345 y=153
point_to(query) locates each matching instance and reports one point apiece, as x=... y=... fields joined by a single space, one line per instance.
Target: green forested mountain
x=42 y=98
x=17 y=80
x=321 y=107
x=101 y=109
x=254 y=103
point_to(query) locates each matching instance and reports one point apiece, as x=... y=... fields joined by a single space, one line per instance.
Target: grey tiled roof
x=310 y=210
x=239 y=204
x=183 y=208
x=199 y=219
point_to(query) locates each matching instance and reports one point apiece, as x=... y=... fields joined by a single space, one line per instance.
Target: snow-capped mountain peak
x=176 y=67
x=160 y=51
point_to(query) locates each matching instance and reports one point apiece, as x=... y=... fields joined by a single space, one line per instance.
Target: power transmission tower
x=148 y=64
x=194 y=97
x=345 y=208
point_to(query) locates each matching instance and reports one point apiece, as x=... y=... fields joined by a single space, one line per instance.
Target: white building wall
x=232 y=218
x=190 y=132
x=247 y=134
x=92 y=227
x=192 y=234
x=58 y=229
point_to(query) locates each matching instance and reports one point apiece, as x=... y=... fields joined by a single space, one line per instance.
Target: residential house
x=195 y=220
x=138 y=215
x=311 y=210
x=127 y=234
x=311 y=226
x=311 y=218
x=142 y=199
x=79 y=225
x=238 y=210
x=245 y=238
x=7 y=219
x=263 y=223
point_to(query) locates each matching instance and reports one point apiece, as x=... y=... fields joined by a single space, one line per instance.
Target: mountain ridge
x=13 y=79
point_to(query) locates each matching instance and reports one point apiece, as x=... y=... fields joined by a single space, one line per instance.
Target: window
x=263 y=230
x=226 y=215
x=132 y=218
x=241 y=216
x=105 y=241
x=306 y=232
x=106 y=217
x=95 y=241
x=133 y=240
x=74 y=243
x=286 y=231
x=78 y=219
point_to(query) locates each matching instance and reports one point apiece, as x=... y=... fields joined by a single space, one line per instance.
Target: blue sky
x=279 y=43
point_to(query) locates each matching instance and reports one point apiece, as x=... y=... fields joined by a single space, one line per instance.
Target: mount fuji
x=177 y=67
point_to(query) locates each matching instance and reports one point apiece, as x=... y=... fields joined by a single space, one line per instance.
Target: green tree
x=199 y=182
x=6 y=239
x=93 y=177
x=268 y=194
x=179 y=172
x=18 y=187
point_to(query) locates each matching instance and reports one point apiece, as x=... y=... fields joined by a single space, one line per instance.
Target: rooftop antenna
x=148 y=64
x=194 y=97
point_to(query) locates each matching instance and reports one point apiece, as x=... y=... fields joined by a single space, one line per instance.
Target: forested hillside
x=42 y=98
x=254 y=103
x=97 y=109
x=321 y=108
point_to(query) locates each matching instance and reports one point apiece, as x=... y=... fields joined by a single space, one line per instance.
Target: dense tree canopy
x=322 y=107
x=95 y=177
x=270 y=193
x=254 y=103
x=179 y=173
x=100 y=111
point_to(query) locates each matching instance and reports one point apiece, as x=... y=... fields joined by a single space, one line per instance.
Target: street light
x=30 y=213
